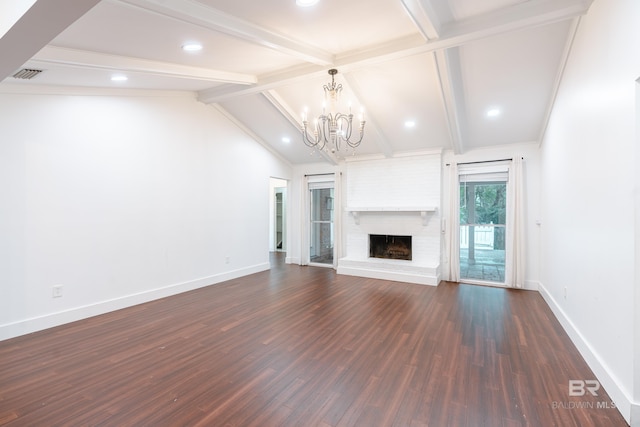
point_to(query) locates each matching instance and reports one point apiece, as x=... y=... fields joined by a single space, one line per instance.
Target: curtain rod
x=321 y=174
x=483 y=161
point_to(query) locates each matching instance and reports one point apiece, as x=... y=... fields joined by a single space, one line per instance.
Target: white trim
x=203 y=16
x=422 y=210
x=529 y=285
x=398 y=155
x=26 y=326
x=84 y=59
x=319 y=184
x=478 y=175
x=250 y=133
x=618 y=394
x=34 y=89
x=398 y=271
x=635 y=415
x=392 y=209
x=320 y=264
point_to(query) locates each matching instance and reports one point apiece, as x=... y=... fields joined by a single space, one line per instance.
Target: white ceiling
x=440 y=63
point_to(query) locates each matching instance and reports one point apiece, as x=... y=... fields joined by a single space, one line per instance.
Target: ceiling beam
x=533 y=13
x=424 y=17
x=285 y=109
x=250 y=133
x=196 y=13
x=40 y=24
x=450 y=76
x=265 y=83
x=74 y=58
x=429 y=24
x=530 y=14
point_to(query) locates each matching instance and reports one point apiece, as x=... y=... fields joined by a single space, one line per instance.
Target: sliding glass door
x=321 y=228
x=483 y=206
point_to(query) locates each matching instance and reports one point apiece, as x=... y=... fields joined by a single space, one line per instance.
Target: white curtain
x=453 y=226
x=304 y=221
x=515 y=245
x=337 y=219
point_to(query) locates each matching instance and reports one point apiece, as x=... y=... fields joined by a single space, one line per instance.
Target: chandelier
x=332 y=130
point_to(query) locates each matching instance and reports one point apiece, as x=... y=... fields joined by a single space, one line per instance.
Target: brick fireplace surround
x=397 y=196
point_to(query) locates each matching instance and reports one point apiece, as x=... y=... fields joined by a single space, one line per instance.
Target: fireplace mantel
x=422 y=210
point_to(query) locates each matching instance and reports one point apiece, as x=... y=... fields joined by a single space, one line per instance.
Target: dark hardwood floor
x=302 y=346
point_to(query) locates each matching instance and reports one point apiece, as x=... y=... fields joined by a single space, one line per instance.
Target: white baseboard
x=635 y=415
x=618 y=395
x=27 y=326
x=531 y=285
x=292 y=260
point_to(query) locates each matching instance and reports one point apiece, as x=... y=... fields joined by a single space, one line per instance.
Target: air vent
x=27 y=73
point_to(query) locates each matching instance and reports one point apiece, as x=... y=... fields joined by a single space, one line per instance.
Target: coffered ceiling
x=441 y=64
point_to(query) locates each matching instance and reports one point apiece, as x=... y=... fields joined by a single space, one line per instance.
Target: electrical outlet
x=57 y=291
x=227 y=259
x=565 y=292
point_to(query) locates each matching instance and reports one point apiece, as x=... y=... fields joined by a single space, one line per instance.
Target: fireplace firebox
x=390 y=247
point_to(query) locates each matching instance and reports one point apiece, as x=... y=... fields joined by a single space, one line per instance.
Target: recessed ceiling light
x=494 y=112
x=192 y=47
x=410 y=124
x=286 y=140
x=306 y=3
x=119 y=78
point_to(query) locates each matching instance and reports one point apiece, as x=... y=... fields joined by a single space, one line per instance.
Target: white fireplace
x=390 y=246
x=393 y=197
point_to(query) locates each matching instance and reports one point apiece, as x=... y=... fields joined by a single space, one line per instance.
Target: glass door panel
x=482 y=230
x=321 y=239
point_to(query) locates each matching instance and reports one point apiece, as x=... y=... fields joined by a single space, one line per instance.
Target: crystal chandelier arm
x=315 y=141
x=347 y=129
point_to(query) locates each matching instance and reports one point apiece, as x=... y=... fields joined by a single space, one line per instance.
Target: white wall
x=587 y=195
x=531 y=174
x=122 y=199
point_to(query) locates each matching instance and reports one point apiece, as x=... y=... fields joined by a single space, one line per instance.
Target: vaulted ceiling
x=441 y=64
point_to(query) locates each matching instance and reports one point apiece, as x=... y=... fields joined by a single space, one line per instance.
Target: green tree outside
x=489 y=207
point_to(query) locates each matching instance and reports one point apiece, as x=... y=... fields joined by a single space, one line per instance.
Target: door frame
x=497 y=172
x=319 y=182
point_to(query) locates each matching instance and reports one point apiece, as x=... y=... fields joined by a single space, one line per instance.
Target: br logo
x=580 y=387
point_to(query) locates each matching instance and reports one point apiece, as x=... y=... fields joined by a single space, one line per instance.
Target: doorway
x=483 y=213
x=321 y=227
x=278 y=215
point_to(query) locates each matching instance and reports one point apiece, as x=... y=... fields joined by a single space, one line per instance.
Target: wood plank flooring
x=302 y=346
